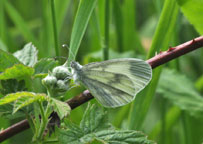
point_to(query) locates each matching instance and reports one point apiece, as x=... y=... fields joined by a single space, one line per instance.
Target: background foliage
x=170 y=109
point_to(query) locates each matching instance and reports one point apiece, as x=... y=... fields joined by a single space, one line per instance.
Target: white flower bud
x=49 y=81
x=62 y=86
x=61 y=72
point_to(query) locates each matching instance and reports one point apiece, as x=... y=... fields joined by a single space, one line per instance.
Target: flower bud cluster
x=58 y=81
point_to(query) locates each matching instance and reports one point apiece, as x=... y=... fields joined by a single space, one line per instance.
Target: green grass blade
x=54 y=27
x=46 y=32
x=96 y=38
x=117 y=12
x=172 y=116
x=5 y=34
x=106 y=31
x=2 y=23
x=20 y=23
x=80 y=24
x=61 y=8
x=130 y=39
x=161 y=40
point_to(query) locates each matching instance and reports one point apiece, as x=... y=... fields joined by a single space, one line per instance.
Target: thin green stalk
x=163 y=120
x=48 y=110
x=186 y=128
x=96 y=38
x=2 y=23
x=30 y=121
x=41 y=110
x=131 y=40
x=54 y=28
x=118 y=24
x=106 y=47
x=43 y=124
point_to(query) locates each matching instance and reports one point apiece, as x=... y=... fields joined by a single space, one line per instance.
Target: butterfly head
x=75 y=65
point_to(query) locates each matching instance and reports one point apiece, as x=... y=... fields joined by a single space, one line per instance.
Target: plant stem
x=43 y=122
x=30 y=122
x=106 y=47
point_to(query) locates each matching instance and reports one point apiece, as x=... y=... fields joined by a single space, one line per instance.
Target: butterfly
x=113 y=82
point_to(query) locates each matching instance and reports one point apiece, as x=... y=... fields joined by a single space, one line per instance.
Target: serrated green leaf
x=44 y=65
x=93 y=119
x=80 y=24
x=15 y=96
x=193 y=11
x=180 y=91
x=27 y=55
x=7 y=110
x=62 y=108
x=18 y=71
x=7 y=60
x=123 y=137
x=27 y=100
x=94 y=127
x=12 y=86
x=70 y=135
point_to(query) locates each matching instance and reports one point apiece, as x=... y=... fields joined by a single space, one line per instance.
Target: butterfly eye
x=73 y=64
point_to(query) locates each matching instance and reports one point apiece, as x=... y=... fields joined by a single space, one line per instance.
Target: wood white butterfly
x=113 y=82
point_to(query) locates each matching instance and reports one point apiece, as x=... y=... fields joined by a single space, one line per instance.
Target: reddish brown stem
x=161 y=58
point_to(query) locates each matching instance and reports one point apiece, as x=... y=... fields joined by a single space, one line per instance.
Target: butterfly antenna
x=69 y=50
x=58 y=57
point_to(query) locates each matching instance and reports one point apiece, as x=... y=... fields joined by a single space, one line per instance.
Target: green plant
x=35 y=86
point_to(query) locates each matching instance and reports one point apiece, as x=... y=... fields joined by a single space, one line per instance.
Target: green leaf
x=181 y=92
x=3 y=46
x=62 y=108
x=43 y=66
x=15 y=96
x=18 y=71
x=70 y=135
x=80 y=24
x=94 y=127
x=6 y=111
x=27 y=100
x=193 y=11
x=12 y=86
x=93 y=120
x=27 y=55
x=123 y=137
x=7 y=60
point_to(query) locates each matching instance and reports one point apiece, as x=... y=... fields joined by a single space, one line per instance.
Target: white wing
x=116 y=82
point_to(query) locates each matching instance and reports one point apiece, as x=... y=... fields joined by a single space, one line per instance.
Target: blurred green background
x=170 y=109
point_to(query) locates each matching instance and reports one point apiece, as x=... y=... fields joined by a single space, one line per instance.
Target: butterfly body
x=114 y=82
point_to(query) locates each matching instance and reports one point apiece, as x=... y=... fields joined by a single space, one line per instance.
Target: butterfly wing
x=116 y=82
